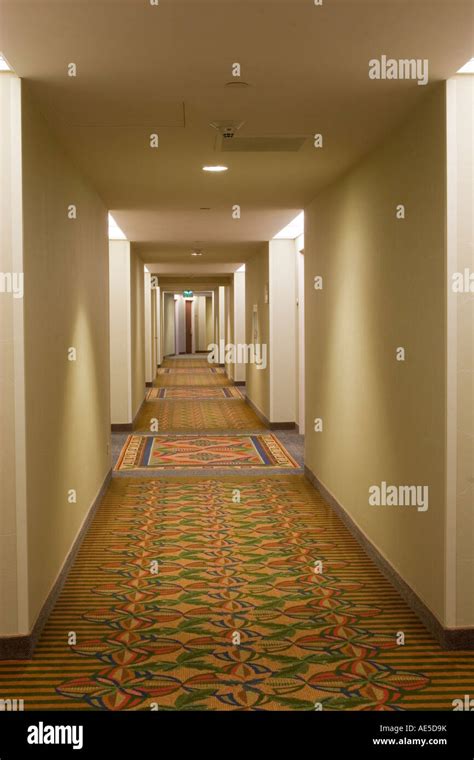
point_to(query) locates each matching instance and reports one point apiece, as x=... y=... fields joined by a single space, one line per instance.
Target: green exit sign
x=187 y=293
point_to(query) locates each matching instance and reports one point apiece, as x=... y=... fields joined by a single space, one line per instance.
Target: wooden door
x=189 y=327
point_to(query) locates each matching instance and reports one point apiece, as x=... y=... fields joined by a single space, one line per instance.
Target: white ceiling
x=163 y=69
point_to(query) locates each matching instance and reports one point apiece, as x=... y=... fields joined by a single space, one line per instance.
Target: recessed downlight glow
x=216 y=168
x=468 y=67
x=196 y=253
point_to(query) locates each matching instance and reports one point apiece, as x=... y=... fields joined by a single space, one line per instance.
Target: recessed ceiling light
x=196 y=253
x=216 y=168
x=205 y=208
x=4 y=65
x=468 y=67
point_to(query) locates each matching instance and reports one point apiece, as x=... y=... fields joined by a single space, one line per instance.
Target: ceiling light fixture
x=216 y=168
x=196 y=253
x=468 y=67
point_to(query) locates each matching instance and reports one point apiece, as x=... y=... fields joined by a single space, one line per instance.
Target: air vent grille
x=262 y=144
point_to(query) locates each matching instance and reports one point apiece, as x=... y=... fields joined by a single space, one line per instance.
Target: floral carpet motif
x=160 y=452
x=231 y=593
x=172 y=569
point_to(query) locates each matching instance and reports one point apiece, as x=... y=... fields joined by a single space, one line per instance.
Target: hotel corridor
x=215 y=577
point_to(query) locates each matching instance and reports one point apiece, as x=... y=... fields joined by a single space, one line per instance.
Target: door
x=189 y=329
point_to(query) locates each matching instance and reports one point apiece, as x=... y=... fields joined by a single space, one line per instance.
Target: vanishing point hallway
x=214 y=576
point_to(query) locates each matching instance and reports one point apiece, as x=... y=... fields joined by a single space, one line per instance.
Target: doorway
x=189 y=328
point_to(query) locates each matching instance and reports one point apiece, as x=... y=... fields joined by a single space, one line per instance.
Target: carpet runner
x=197 y=415
x=193 y=394
x=233 y=616
x=161 y=452
x=195 y=378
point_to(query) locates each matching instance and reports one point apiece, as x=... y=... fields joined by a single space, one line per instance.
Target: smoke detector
x=227 y=129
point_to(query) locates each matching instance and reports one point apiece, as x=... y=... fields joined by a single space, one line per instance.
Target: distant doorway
x=189 y=327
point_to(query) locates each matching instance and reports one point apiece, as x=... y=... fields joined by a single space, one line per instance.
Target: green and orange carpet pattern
x=190 y=379
x=194 y=394
x=197 y=415
x=237 y=594
x=180 y=451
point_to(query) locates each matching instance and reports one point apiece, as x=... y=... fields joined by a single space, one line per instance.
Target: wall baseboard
x=265 y=420
x=448 y=638
x=22 y=647
x=282 y=425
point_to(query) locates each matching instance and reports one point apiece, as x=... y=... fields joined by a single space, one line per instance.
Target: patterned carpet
x=227 y=593
x=198 y=415
x=198 y=378
x=192 y=371
x=160 y=452
x=171 y=362
x=193 y=394
x=182 y=598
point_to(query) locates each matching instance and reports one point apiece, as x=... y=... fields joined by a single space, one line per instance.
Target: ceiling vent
x=262 y=144
x=227 y=140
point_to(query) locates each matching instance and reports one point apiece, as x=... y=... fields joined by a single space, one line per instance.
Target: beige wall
x=283 y=330
x=65 y=305
x=201 y=326
x=14 y=617
x=460 y=305
x=168 y=324
x=384 y=287
x=299 y=312
x=137 y=313
x=209 y=322
x=154 y=333
x=148 y=328
x=229 y=325
x=256 y=276
x=120 y=334
x=159 y=326
x=239 y=320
